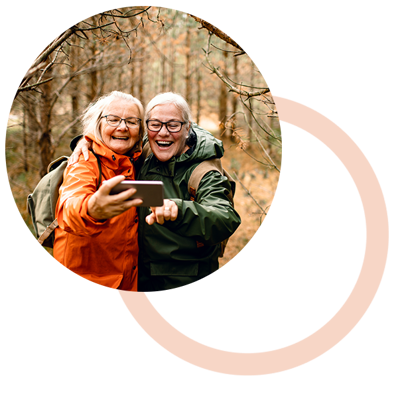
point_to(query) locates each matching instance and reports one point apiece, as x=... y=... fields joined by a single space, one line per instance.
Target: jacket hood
x=207 y=146
x=110 y=158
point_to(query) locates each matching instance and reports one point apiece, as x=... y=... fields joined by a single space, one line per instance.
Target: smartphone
x=151 y=192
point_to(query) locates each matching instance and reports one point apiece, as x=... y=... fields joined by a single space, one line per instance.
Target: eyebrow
x=130 y=117
x=171 y=120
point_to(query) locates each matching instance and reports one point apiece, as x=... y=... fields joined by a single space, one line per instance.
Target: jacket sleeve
x=211 y=218
x=80 y=183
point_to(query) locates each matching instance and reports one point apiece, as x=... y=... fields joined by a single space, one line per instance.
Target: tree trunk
x=141 y=82
x=249 y=104
x=25 y=143
x=222 y=110
x=172 y=54
x=45 y=140
x=93 y=74
x=74 y=60
x=234 y=97
x=164 y=77
x=132 y=69
x=32 y=123
x=188 y=68
x=198 y=94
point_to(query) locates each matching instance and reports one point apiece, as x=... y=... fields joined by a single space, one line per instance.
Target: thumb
x=107 y=185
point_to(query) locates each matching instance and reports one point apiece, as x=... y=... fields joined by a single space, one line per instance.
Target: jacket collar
x=109 y=158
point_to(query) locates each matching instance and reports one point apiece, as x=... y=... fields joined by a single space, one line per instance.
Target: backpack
x=42 y=202
x=197 y=175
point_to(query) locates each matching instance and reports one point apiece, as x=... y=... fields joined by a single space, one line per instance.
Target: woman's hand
x=168 y=212
x=82 y=147
x=102 y=205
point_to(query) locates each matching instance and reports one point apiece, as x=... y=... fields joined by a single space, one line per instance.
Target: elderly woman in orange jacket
x=97 y=234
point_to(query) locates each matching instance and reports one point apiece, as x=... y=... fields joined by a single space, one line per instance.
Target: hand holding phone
x=150 y=192
x=102 y=205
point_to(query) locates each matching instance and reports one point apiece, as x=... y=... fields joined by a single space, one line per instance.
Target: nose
x=120 y=125
x=163 y=130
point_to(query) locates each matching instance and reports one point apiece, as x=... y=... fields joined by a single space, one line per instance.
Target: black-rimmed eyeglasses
x=171 y=126
x=115 y=121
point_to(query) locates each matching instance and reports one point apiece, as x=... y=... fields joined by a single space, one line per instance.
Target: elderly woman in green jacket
x=180 y=242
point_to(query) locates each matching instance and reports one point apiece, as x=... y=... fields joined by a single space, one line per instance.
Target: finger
x=170 y=210
x=107 y=185
x=134 y=202
x=85 y=152
x=73 y=159
x=125 y=195
x=150 y=219
x=174 y=212
x=159 y=215
x=166 y=212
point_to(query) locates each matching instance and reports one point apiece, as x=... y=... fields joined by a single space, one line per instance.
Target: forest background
x=143 y=51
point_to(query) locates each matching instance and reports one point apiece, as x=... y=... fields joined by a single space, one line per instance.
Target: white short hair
x=91 y=118
x=170 y=98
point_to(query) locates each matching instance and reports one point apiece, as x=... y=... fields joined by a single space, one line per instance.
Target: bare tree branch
x=65 y=130
x=248 y=192
x=32 y=86
x=126 y=15
x=212 y=29
x=96 y=27
x=271 y=133
x=215 y=70
x=267 y=157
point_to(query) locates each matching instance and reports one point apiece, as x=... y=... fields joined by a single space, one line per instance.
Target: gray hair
x=91 y=118
x=170 y=98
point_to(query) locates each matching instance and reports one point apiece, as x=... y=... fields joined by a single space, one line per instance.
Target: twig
x=31 y=86
x=248 y=192
x=69 y=126
x=264 y=164
x=213 y=30
x=273 y=135
x=125 y=15
x=215 y=70
x=262 y=147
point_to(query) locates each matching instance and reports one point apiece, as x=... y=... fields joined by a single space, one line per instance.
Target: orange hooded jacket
x=104 y=252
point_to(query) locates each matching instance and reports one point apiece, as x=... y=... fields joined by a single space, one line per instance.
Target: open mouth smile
x=164 y=144
x=120 y=138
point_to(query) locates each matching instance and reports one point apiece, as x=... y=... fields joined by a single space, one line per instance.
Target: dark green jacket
x=185 y=250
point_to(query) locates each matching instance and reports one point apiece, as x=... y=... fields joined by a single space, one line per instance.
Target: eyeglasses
x=115 y=121
x=171 y=126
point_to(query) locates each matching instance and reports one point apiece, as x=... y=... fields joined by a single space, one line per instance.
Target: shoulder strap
x=55 y=163
x=200 y=171
x=99 y=170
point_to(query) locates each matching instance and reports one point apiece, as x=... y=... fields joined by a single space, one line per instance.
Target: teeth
x=120 y=138
x=164 y=143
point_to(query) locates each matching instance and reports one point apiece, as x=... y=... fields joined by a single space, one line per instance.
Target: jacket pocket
x=176 y=268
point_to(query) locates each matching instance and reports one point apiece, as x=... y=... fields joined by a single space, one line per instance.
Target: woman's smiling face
x=164 y=144
x=120 y=139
